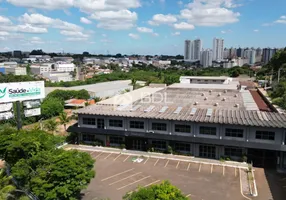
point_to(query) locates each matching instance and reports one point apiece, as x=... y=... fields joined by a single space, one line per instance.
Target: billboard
x=6 y=115
x=32 y=112
x=6 y=107
x=21 y=91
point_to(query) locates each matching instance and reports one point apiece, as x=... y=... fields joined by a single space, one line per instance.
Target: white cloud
x=28 y=28
x=184 y=26
x=162 y=1
x=4 y=20
x=255 y=30
x=281 y=20
x=44 y=21
x=36 y=40
x=210 y=12
x=267 y=24
x=74 y=34
x=155 y=34
x=76 y=39
x=226 y=31
x=115 y=20
x=103 y=35
x=144 y=30
x=85 y=20
x=42 y=4
x=134 y=36
x=162 y=19
x=176 y=33
x=180 y=3
x=4 y=33
x=90 y=6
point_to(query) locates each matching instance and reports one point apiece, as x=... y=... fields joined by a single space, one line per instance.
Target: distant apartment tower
x=196 y=49
x=206 y=58
x=251 y=56
x=17 y=54
x=218 y=49
x=267 y=54
x=240 y=52
x=187 y=52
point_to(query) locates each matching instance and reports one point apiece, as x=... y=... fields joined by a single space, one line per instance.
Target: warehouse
x=203 y=120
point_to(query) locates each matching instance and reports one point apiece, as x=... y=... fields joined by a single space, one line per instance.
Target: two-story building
x=222 y=121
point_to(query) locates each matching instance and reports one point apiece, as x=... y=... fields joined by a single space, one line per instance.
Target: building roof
x=235 y=107
x=205 y=77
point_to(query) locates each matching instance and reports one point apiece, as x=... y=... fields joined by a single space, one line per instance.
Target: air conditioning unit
x=224 y=99
x=236 y=105
x=216 y=104
x=203 y=94
x=205 y=98
x=219 y=94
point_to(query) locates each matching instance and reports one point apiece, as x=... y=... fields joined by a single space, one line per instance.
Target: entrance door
x=207 y=151
x=137 y=144
x=262 y=158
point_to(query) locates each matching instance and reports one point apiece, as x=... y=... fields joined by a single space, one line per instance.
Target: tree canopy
x=163 y=191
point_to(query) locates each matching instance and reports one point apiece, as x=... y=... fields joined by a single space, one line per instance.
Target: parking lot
x=117 y=174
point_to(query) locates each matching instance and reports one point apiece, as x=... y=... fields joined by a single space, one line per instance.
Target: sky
x=139 y=26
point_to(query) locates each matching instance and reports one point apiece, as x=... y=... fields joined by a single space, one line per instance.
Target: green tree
x=51 y=125
x=64 y=119
x=6 y=186
x=56 y=174
x=51 y=107
x=163 y=191
x=133 y=83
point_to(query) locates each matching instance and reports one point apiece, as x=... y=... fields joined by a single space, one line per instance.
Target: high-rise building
x=206 y=58
x=233 y=53
x=187 y=52
x=196 y=49
x=218 y=49
x=226 y=53
x=268 y=54
x=17 y=54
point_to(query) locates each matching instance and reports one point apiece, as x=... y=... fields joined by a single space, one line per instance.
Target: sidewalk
x=159 y=155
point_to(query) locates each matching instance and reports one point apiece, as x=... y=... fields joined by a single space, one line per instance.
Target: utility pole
x=19 y=120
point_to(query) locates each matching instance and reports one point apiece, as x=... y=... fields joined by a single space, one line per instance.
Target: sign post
x=22 y=91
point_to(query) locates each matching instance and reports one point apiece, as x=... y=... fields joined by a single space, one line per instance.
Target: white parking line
x=156 y=162
x=126 y=158
x=125 y=178
x=188 y=166
x=117 y=174
x=167 y=163
x=151 y=183
x=200 y=167
x=107 y=156
x=133 y=182
x=189 y=195
x=178 y=165
x=212 y=166
x=146 y=160
x=117 y=157
x=98 y=155
x=92 y=153
x=223 y=170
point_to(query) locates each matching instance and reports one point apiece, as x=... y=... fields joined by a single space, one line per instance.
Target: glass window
x=232 y=152
x=159 y=126
x=234 y=133
x=115 y=123
x=265 y=135
x=88 y=121
x=204 y=130
x=137 y=124
x=88 y=137
x=181 y=128
x=116 y=140
x=100 y=123
x=183 y=147
x=207 y=151
x=158 y=144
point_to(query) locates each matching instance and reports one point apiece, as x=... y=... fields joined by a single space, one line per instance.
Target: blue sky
x=139 y=26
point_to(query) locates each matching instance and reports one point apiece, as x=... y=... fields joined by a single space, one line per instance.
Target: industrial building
x=210 y=117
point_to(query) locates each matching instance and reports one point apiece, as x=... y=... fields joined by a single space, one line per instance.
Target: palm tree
x=6 y=188
x=64 y=119
x=51 y=125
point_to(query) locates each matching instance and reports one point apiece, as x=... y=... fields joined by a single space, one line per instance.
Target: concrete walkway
x=160 y=155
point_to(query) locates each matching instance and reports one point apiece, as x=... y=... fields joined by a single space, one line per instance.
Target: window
x=234 y=133
x=157 y=144
x=100 y=123
x=207 y=151
x=159 y=126
x=115 y=123
x=137 y=124
x=207 y=130
x=265 y=135
x=116 y=140
x=183 y=147
x=232 y=152
x=182 y=128
x=88 y=137
x=88 y=121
